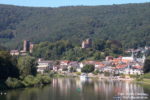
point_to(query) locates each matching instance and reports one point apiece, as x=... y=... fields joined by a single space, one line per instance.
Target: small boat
x=84 y=76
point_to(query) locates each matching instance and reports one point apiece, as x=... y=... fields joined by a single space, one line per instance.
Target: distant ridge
x=128 y=23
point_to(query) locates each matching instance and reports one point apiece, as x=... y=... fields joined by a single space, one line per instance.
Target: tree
x=27 y=66
x=88 y=68
x=7 y=68
x=72 y=69
x=146 y=68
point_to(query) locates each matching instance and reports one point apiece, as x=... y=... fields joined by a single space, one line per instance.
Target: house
x=44 y=65
x=64 y=62
x=23 y=53
x=128 y=69
x=106 y=69
x=56 y=68
x=14 y=52
x=73 y=64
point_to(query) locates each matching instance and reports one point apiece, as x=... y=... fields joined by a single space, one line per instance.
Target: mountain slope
x=128 y=23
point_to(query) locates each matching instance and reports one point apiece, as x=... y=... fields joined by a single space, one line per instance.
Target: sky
x=57 y=3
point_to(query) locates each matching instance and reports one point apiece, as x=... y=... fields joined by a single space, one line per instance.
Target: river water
x=76 y=89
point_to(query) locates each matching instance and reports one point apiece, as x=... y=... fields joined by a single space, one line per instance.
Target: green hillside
x=128 y=23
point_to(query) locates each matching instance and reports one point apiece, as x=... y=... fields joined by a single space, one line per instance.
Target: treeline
x=17 y=72
x=67 y=51
x=129 y=24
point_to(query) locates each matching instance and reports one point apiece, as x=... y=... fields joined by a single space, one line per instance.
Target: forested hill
x=128 y=23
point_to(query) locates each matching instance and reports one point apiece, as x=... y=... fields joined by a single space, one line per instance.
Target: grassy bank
x=145 y=79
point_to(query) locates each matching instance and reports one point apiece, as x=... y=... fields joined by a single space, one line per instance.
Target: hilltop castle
x=87 y=43
x=27 y=46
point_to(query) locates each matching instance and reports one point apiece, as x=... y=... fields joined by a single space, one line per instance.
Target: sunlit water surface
x=75 y=89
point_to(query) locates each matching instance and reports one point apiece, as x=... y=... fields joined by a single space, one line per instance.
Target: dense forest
x=129 y=24
x=64 y=50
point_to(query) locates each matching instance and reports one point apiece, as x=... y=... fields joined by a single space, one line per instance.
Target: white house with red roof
x=64 y=63
x=128 y=69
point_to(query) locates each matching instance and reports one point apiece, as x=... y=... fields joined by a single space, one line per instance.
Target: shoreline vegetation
x=20 y=72
x=28 y=81
x=44 y=79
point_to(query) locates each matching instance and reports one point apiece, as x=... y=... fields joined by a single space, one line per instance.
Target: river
x=75 y=89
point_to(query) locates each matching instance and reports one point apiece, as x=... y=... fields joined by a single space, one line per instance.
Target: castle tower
x=87 y=43
x=26 y=45
x=31 y=47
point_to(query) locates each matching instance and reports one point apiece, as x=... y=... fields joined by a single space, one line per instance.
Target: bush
x=139 y=79
x=52 y=74
x=30 y=81
x=78 y=73
x=46 y=79
x=72 y=69
x=96 y=72
x=13 y=83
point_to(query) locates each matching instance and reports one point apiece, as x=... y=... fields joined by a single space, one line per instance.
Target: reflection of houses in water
x=63 y=85
x=132 y=88
x=101 y=89
x=79 y=84
x=111 y=88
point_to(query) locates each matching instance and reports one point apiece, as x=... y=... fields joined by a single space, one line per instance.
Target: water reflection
x=75 y=89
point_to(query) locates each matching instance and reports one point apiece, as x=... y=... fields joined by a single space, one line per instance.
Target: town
x=122 y=65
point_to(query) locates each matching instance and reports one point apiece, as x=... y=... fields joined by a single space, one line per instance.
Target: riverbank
x=28 y=81
x=76 y=89
x=144 y=81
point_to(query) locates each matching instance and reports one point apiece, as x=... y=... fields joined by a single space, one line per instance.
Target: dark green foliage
x=96 y=72
x=146 y=68
x=27 y=66
x=125 y=23
x=52 y=51
x=30 y=80
x=72 y=69
x=66 y=50
x=45 y=79
x=13 y=83
x=7 y=67
x=88 y=68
